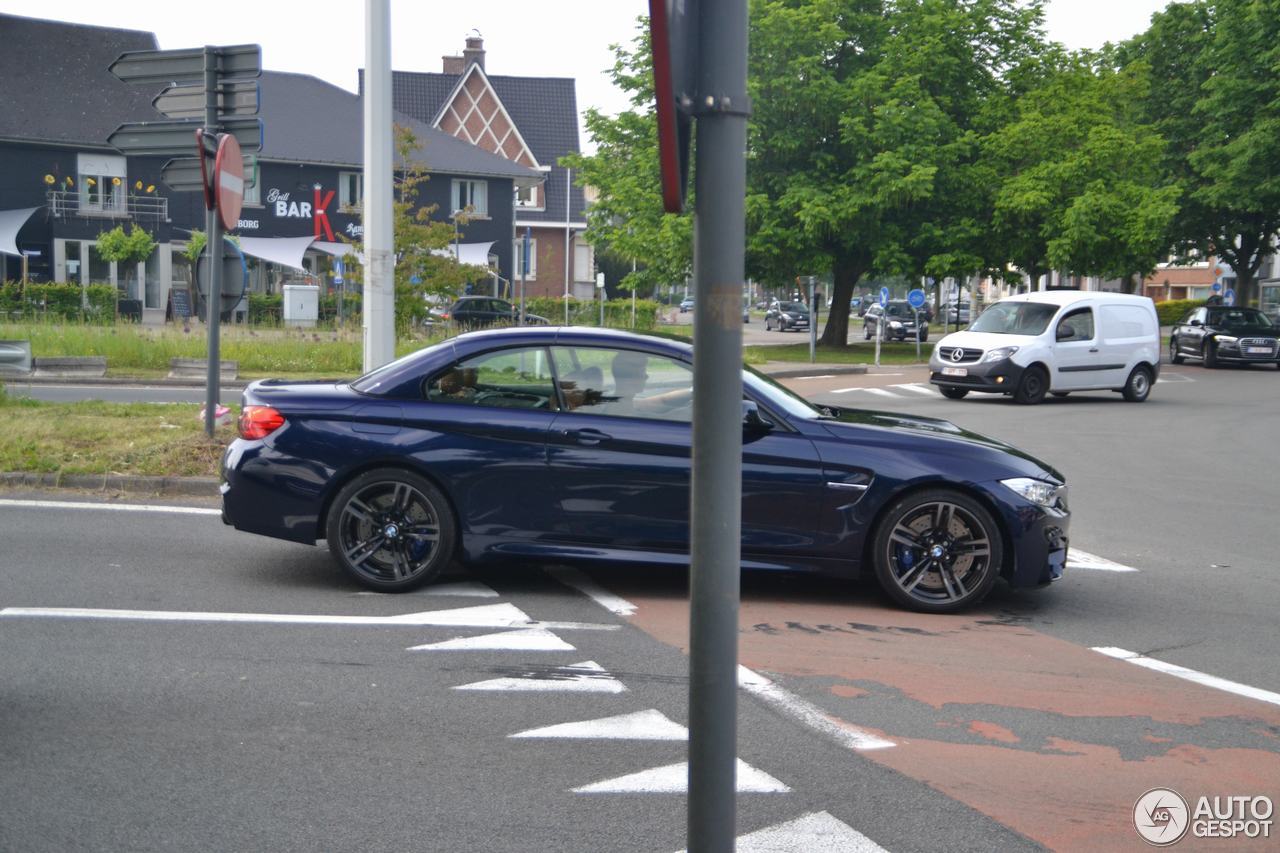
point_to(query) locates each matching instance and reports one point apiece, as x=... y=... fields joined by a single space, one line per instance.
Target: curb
x=155 y=382
x=192 y=486
x=814 y=370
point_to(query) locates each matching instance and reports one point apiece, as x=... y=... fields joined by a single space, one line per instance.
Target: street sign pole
x=813 y=324
x=213 y=302
x=524 y=268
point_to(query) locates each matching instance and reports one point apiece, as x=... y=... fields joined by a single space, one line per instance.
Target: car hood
x=984 y=340
x=933 y=435
x=1247 y=331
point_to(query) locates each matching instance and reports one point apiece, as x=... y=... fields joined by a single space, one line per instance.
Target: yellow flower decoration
x=115 y=182
x=151 y=188
x=68 y=181
x=92 y=182
x=48 y=179
x=138 y=185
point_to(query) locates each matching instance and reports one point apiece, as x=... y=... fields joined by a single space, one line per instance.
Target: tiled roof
x=56 y=85
x=544 y=109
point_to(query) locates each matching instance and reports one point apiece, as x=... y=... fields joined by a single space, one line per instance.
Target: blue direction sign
x=1229 y=297
x=884 y=296
x=1217 y=287
x=916 y=298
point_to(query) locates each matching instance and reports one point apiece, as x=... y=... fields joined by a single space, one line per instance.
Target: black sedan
x=573 y=445
x=1218 y=335
x=785 y=316
x=476 y=312
x=898 y=320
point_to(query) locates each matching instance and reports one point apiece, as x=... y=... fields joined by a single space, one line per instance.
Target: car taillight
x=259 y=421
x=444 y=316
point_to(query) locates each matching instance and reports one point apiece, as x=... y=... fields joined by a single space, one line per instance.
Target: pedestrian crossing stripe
x=674 y=779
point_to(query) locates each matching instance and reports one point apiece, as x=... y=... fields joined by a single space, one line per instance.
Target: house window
x=103 y=182
x=529 y=197
x=533 y=259
x=473 y=195
x=350 y=190
x=583 y=262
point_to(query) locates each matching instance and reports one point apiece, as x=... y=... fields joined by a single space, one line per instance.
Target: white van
x=1054 y=342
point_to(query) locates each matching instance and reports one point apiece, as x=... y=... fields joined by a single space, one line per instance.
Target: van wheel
x=954 y=393
x=1138 y=386
x=1033 y=386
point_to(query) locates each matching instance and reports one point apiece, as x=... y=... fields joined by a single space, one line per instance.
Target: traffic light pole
x=213 y=301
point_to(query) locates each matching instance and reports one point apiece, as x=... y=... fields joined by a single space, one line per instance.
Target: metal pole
x=716 y=510
x=813 y=326
x=633 y=294
x=213 y=302
x=568 y=195
x=524 y=268
x=379 y=244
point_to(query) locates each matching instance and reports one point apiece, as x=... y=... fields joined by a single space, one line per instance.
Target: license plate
x=955 y=371
x=1258 y=350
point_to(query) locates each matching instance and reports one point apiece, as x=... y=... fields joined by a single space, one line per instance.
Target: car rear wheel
x=954 y=393
x=1138 y=387
x=937 y=551
x=1032 y=387
x=391 y=530
x=1175 y=357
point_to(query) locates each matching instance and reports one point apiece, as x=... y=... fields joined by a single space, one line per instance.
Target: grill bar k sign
x=228 y=180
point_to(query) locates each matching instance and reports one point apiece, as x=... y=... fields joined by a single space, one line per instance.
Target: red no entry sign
x=228 y=180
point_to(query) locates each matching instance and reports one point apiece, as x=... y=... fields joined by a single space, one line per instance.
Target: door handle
x=586 y=436
x=1093 y=349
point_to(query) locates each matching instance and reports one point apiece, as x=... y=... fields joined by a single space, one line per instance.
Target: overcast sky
x=549 y=38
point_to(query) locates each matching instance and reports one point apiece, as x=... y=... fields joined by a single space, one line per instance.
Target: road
x=1003 y=728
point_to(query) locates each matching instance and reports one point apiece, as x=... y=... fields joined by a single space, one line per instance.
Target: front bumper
x=1039 y=537
x=1000 y=377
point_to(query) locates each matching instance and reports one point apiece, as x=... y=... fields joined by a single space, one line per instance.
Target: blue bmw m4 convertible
x=573 y=445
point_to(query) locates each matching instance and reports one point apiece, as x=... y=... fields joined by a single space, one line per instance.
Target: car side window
x=507 y=379
x=624 y=383
x=1081 y=324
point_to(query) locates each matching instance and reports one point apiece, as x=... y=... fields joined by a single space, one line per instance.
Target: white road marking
x=466 y=589
x=585 y=677
x=880 y=392
x=814 y=831
x=527 y=640
x=1077 y=559
x=927 y=390
x=817 y=376
x=845 y=390
x=180 y=510
x=642 y=725
x=483 y=616
x=588 y=587
x=674 y=779
x=1190 y=675
x=811 y=715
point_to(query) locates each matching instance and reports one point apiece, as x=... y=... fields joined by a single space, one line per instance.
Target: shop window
x=471 y=197
x=103 y=183
x=350 y=190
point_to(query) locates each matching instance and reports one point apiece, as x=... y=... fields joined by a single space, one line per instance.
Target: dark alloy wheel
x=1033 y=386
x=1175 y=357
x=866 y=332
x=937 y=551
x=954 y=393
x=391 y=530
x=1138 y=386
x=768 y=327
x=1210 y=355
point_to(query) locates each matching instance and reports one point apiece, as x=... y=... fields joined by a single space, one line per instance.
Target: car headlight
x=999 y=354
x=1036 y=491
x=894 y=324
x=1226 y=339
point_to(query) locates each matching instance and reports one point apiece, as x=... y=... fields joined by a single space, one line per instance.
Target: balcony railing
x=67 y=204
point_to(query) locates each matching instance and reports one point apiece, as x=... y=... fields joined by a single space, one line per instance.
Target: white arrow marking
x=585 y=585
x=814 y=831
x=642 y=725
x=811 y=715
x=674 y=779
x=180 y=510
x=527 y=640
x=1077 y=559
x=918 y=389
x=585 y=677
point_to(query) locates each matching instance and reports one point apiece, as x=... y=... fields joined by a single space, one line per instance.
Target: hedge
x=268 y=308
x=586 y=312
x=58 y=302
x=1172 y=310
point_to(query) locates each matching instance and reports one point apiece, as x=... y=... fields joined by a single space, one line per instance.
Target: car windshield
x=779 y=395
x=898 y=309
x=372 y=381
x=1015 y=318
x=796 y=307
x=1232 y=317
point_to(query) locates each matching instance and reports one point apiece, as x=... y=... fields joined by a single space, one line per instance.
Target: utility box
x=301 y=304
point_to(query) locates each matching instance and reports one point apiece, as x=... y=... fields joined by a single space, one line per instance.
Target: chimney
x=454 y=65
x=474 y=54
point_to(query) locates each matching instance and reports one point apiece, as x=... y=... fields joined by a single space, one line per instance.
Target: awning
x=474 y=254
x=286 y=251
x=338 y=250
x=11 y=222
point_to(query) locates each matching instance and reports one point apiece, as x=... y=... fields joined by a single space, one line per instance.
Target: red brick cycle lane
x=1052 y=739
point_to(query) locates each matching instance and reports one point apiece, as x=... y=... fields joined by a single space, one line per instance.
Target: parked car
x=476 y=312
x=899 y=322
x=785 y=316
x=686 y=305
x=956 y=313
x=573 y=445
x=1221 y=335
x=1054 y=342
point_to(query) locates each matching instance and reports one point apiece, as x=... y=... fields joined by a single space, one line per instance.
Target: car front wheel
x=1175 y=357
x=937 y=551
x=391 y=530
x=1210 y=355
x=1032 y=387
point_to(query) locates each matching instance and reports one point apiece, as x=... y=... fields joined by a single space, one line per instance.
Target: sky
x=548 y=38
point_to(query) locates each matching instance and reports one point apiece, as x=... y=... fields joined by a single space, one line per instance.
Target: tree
x=1215 y=96
x=132 y=248
x=627 y=218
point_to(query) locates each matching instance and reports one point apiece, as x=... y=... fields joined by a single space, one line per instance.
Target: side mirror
x=1196 y=323
x=752 y=420
x=1066 y=333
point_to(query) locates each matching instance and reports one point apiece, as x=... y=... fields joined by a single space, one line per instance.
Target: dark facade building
x=61 y=185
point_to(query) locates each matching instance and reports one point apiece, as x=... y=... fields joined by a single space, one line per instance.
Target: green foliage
x=267 y=309
x=586 y=312
x=134 y=247
x=56 y=301
x=1172 y=310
